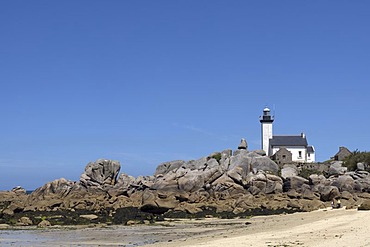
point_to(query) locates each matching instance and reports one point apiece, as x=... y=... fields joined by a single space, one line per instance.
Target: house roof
x=310 y=149
x=298 y=140
x=343 y=150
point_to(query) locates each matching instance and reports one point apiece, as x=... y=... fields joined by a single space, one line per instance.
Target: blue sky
x=145 y=82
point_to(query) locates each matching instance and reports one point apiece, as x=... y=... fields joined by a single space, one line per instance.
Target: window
x=284 y=156
x=299 y=154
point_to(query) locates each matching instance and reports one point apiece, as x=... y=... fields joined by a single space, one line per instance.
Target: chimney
x=303 y=135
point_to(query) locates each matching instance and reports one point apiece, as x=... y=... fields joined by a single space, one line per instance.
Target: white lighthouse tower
x=266 y=127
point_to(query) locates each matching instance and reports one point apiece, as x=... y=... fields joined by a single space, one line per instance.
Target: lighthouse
x=266 y=129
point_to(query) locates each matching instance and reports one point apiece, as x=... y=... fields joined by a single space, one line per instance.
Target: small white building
x=297 y=145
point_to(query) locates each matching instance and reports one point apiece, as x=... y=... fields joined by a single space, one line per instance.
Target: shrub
x=356 y=157
x=305 y=173
x=217 y=156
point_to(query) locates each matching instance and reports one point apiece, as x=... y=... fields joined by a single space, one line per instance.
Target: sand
x=338 y=227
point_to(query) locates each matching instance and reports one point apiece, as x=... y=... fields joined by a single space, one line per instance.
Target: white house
x=297 y=145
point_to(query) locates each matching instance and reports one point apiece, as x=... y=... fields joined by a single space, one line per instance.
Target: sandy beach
x=329 y=227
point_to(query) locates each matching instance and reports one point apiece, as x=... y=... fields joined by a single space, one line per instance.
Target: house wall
x=295 y=153
x=311 y=158
x=342 y=154
x=283 y=156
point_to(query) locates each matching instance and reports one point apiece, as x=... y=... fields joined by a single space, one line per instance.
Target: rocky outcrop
x=100 y=173
x=12 y=202
x=232 y=183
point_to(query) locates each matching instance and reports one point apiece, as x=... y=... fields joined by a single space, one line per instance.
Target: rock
x=273 y=187
x=312 y=204
x=260 y=152
x=8 y=211
x=100 y=172
x=12 y=202
x=346 y=195
x=309 y=195
x=360 y=166
x=169 y=166
x=362 y=174
x=168 y=181
x=240 y=166
x=222 y=183
x=125 y=181
x=144 y=182
x=315 y=179
x=359 y=175
x=189 y=208
x=166 y=204
x=274 y=178
x=19 y=190
x=264 y=183
x=365 y=205
x=60 y=187
x=131 y=222
x=289 y=171
x=50 y=194
x=243 y=144
x=43 y=224
x=360 y=186
x=363 y=195
x=237 y=174
x=192 y=181
x=153 y=202
x=260 y=163
x=254 y=190
x=296 y=183
x=293 y=194
x=295 y=204
x=336 y=168
x=24 y=221
x=89 y=216
x=328 y=193
x=199 y=164
x=126 y=185
x=4 y=226
x=212 y=163
x=261 y=185
x=344 y=183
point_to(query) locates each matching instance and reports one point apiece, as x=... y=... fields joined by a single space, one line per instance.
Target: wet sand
x=338 y=227
x=136 y=235
x=319 y=228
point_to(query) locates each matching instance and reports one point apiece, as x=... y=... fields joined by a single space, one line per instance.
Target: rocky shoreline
x=223 y=184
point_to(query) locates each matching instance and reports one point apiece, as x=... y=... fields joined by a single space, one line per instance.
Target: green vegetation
x=217 y=156
x=356 y=157
x=305 y=173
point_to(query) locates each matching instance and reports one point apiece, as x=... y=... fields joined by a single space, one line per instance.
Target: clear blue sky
x=145 y=82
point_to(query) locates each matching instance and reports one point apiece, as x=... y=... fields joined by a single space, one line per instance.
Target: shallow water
x=129 y=236
x=121 y=236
